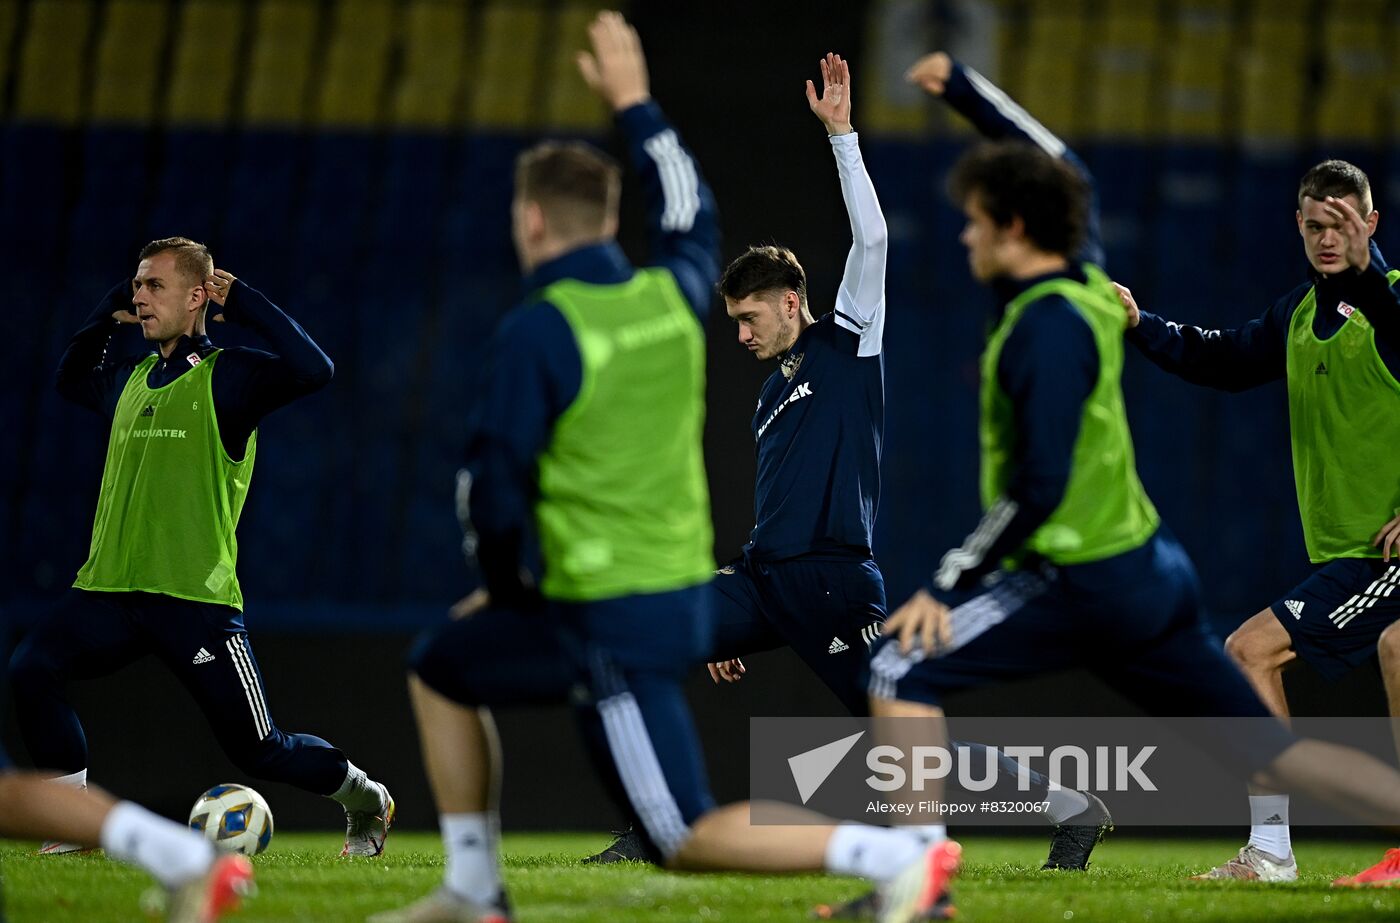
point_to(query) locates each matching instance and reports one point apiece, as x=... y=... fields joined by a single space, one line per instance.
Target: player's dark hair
x=1012 y=179
x=576 y=184
x=761 y=270
x=192 y=259
x=1338 y=179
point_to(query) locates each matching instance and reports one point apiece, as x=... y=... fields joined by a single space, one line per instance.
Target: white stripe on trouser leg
x=641 y=774
x=968 y=621
x=258 y=699
x=249 y=682
x=257 y=682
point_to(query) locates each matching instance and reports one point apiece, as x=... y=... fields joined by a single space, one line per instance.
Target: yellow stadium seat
x=434 y=54
x=1199 y=80
x=1351 y=102
x=51 y=65
x=896 y=34
x=569 y=104
x=352 y=78
x=1122 y=86
x=502 y=86
x=9 y=21
x=279 y=68
x=1050 y=84
x=203 y=72
x=129 y=55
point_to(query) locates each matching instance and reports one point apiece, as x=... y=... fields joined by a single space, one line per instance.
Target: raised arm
x=1229 y=360
x=860 y=301
x=682 y=218
x=92 y=371
x=997 y=116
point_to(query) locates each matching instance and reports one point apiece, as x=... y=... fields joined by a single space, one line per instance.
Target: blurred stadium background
x=352 y=159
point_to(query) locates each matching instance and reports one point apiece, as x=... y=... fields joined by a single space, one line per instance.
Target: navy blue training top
x=248 y=384
x=1257 y=352
x=532 y=370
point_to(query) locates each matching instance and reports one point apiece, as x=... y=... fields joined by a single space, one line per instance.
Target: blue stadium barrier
x=194 y=186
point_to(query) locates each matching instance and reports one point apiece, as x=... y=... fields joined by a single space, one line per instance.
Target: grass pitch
x=301 y=879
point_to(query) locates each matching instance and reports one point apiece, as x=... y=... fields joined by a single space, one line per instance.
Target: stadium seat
x=1124 y=65
x=351 y=89
x=429 y=92
x=51 y=64
x=896 y=32
x=504 y=84
x=1198 y=72
x=203 y=72
x=129 y=54
x=1051 y=85
x=279 y=68
x=1272 y=80
x=569 y=105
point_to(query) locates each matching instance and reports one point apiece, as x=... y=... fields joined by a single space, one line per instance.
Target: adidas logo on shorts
x=1295 y=606
x=837 y=646
x=203 y=657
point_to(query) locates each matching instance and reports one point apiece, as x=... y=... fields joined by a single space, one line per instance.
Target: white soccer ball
x=234 y=818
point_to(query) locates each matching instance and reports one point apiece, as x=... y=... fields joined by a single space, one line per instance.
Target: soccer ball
x=234 y=818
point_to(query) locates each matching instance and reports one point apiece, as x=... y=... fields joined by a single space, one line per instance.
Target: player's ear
x=1372 y=220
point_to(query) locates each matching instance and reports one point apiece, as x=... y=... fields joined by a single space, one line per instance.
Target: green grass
x=301 y=879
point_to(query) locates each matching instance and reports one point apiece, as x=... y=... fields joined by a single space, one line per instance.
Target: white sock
x=171 y=853
x=1268 y=825
x=473 y=869
x=929 y=833
x=877 y=853
x=1064 y=804
x=75 y=780
x=359 y=792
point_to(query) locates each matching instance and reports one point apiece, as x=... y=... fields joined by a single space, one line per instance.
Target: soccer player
x=1090 y=558
x=807 y=578
x=160 y=576
x=590 y=419
x=1335 y=340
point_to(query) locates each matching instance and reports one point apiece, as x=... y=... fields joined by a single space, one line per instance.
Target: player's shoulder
x=231 y=357
x=1050 y=315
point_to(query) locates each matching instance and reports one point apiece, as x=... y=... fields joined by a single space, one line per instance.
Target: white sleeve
x=860 y=301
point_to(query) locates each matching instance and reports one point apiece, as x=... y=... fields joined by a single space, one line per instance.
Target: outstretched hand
x=1125 y=296
x=616 y=69
x=834 y=106
x=931 y=72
